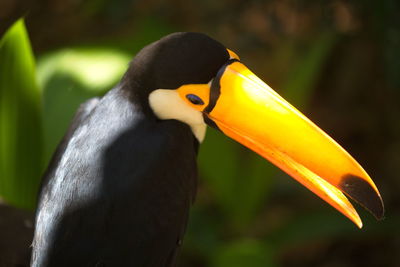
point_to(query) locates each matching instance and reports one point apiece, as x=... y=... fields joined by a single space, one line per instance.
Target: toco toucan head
x=194 y=79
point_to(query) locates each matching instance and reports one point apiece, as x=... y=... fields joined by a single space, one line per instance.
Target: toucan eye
x=194 y=99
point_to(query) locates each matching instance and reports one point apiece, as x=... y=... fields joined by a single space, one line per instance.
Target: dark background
x=337 y=61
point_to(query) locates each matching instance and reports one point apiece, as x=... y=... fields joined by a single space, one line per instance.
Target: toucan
x=119 y=187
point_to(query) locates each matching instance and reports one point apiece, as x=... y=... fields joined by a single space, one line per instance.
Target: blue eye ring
x=194 y=99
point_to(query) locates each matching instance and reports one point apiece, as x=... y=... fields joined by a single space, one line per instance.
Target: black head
x=175 y=60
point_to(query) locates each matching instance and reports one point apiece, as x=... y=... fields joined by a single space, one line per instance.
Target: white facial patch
x=167 y=104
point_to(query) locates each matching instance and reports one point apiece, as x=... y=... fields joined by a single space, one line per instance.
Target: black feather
x=120 y=193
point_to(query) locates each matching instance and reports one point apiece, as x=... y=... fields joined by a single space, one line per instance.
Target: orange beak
x=246 y=109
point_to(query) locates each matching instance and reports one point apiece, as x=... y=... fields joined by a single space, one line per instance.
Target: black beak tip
x=362 y=192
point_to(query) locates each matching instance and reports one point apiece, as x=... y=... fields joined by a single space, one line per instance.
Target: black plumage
x=119 y=187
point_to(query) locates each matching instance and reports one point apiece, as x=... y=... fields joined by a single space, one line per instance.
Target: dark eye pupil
x=194 y=99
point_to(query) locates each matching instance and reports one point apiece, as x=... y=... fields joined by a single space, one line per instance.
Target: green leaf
x=71 y=76
x=96 y=69
x=20 y=121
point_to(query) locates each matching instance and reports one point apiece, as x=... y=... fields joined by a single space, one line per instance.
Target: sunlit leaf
x=20 y=122
x=71 y=76
x=94 y=68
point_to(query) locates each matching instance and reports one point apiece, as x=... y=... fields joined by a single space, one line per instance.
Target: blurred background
x=338 y=61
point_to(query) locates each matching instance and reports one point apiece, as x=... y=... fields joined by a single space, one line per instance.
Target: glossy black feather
x=80 y=116
x=120 y=193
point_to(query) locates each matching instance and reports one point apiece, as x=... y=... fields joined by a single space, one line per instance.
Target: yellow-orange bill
x=250 y=112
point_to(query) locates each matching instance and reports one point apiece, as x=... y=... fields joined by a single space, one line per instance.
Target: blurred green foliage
x=21 y=148
x=69 y=77
x=244 y=253
x=298 y=89
x=247 y=212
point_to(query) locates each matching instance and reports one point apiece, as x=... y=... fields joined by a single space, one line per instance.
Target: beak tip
x=363 y=193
